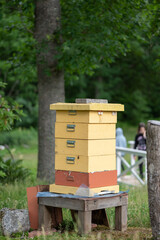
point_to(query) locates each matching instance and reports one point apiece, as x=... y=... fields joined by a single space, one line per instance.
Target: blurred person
x=121 y=142
x=140 y=144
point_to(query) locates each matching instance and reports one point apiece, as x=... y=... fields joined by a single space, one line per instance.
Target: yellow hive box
x=86 y=113
x=84 y=163
x=86 y=116
x=81 y=191
x=85 y=143
x=84 y=131
x=85 y=147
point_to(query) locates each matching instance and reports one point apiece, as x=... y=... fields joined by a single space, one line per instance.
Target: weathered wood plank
x=84 y=222
x=56 y=215
x=98 y=216
x=85 y=204
x=82 y=210
x=75 y=204
x=121 y=218
x=44 y=217
x=105 y=203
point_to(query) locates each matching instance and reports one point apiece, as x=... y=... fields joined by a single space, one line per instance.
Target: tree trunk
x=153 y=165
x=50 y=83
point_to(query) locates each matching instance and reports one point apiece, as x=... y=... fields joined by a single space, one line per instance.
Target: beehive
x=85 y=157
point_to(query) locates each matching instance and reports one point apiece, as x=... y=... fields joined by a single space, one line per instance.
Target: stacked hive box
x=85 y=160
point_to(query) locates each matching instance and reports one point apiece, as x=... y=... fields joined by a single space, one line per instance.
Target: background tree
x=50 y=82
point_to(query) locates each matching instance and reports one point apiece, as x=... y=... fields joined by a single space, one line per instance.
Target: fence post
x=153 y=166
x=118 y=164
x=145 y=162
x=131 y=143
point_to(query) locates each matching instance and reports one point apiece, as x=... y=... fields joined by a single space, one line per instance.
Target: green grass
x=14 y=196
x=24 y=147
x=138 y=215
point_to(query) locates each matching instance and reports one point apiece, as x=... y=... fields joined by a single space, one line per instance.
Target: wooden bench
x=84 y=207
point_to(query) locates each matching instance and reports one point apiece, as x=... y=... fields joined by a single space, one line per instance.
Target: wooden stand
x=85 y=208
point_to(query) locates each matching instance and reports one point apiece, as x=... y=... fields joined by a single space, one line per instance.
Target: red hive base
x=91 y=180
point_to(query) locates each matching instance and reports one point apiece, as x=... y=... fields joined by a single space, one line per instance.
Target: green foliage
x=95 y=33
x=66 y=225
x=8 y=113
x=110 y=49
x=18 y=57
x=18 y=137
x=132 y=80
x=12 y=170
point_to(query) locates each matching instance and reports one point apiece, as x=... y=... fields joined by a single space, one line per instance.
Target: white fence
x=121 y=153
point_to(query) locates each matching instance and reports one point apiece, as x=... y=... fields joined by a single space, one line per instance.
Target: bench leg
x=100 y=217
x=121 y=218
x=57 y=216
x=84 y=222
x=44 y=217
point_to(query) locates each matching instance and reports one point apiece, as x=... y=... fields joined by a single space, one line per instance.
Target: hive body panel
x=86 y=117
x=91 y=180
x=85 y=163
x=85 y=147
x=84 y=131
x=85 y=160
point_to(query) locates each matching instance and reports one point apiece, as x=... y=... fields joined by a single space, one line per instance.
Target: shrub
x=12 y=170
x=18 y=137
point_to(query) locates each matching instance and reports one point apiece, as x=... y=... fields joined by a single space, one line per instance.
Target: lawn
x=14 y=196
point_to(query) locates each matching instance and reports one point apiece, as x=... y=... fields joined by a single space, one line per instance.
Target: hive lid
x=87 y=106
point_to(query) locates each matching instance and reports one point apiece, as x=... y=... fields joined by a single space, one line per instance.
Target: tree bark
x=50 y=83
x=153 y=165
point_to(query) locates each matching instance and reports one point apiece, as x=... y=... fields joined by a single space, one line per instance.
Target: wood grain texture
x=98 y=217
x=56 y=215
x=84 y=222
x=84 y=204
x=75 y=204
x=84 y=211
x=106 y=202
x=153 y=170
x=121 y=218
x=44 y=217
